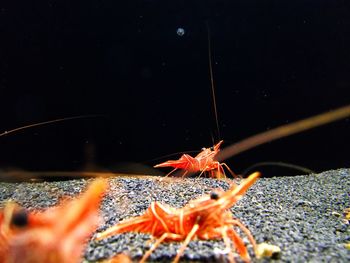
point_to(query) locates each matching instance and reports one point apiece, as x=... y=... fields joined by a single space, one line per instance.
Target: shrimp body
x=205 y=218
x=202 y=162
x=57 y=234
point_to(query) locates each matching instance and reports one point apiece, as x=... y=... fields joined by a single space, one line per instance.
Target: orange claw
x=57 y=234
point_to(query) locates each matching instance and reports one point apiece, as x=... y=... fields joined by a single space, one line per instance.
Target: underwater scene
x=174 y=131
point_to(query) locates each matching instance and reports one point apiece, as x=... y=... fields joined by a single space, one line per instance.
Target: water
x=272 y=64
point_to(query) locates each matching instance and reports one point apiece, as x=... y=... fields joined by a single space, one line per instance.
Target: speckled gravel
x=303 y=215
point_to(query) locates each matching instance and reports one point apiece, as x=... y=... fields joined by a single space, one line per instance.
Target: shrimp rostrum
x=205 y=218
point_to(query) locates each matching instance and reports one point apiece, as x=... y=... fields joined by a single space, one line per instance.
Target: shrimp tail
x=186 y=162
x=136 y=224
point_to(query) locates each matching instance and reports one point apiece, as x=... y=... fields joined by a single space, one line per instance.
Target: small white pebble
x=266 y=250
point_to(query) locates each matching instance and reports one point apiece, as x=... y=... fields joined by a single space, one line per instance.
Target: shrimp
x=202 y=162
x=205 y=218
x=57 y=234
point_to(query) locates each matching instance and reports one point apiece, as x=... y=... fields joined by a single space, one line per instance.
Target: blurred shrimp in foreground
x=57 y=234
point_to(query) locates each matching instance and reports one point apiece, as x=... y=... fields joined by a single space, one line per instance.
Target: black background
x=274 y=62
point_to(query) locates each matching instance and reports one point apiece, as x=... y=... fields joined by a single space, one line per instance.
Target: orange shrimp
x=57 y=234
x=205 y=218
x=202 y=162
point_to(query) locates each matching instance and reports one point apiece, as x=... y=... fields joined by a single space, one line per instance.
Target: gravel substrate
x=303 y=215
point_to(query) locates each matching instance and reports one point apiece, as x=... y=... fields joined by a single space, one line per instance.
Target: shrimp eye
x=214 y=195
x=20 y=218
x=212 y=148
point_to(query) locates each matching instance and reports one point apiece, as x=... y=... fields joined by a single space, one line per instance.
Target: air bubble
x=180 y=31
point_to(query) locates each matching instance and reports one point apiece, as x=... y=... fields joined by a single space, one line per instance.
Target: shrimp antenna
x=283 y=131
x=212 y=81
x=48 y=122
x=280 y=164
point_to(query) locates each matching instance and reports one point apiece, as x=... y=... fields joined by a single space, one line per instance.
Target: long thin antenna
x=48 y=122
x=212 y=82
x=283 y=131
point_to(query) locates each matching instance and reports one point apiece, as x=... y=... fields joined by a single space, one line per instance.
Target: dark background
x=273 y=63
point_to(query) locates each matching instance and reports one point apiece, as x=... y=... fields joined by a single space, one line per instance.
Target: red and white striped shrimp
x=205 y=218
x=58 y=234
x=202 y=162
